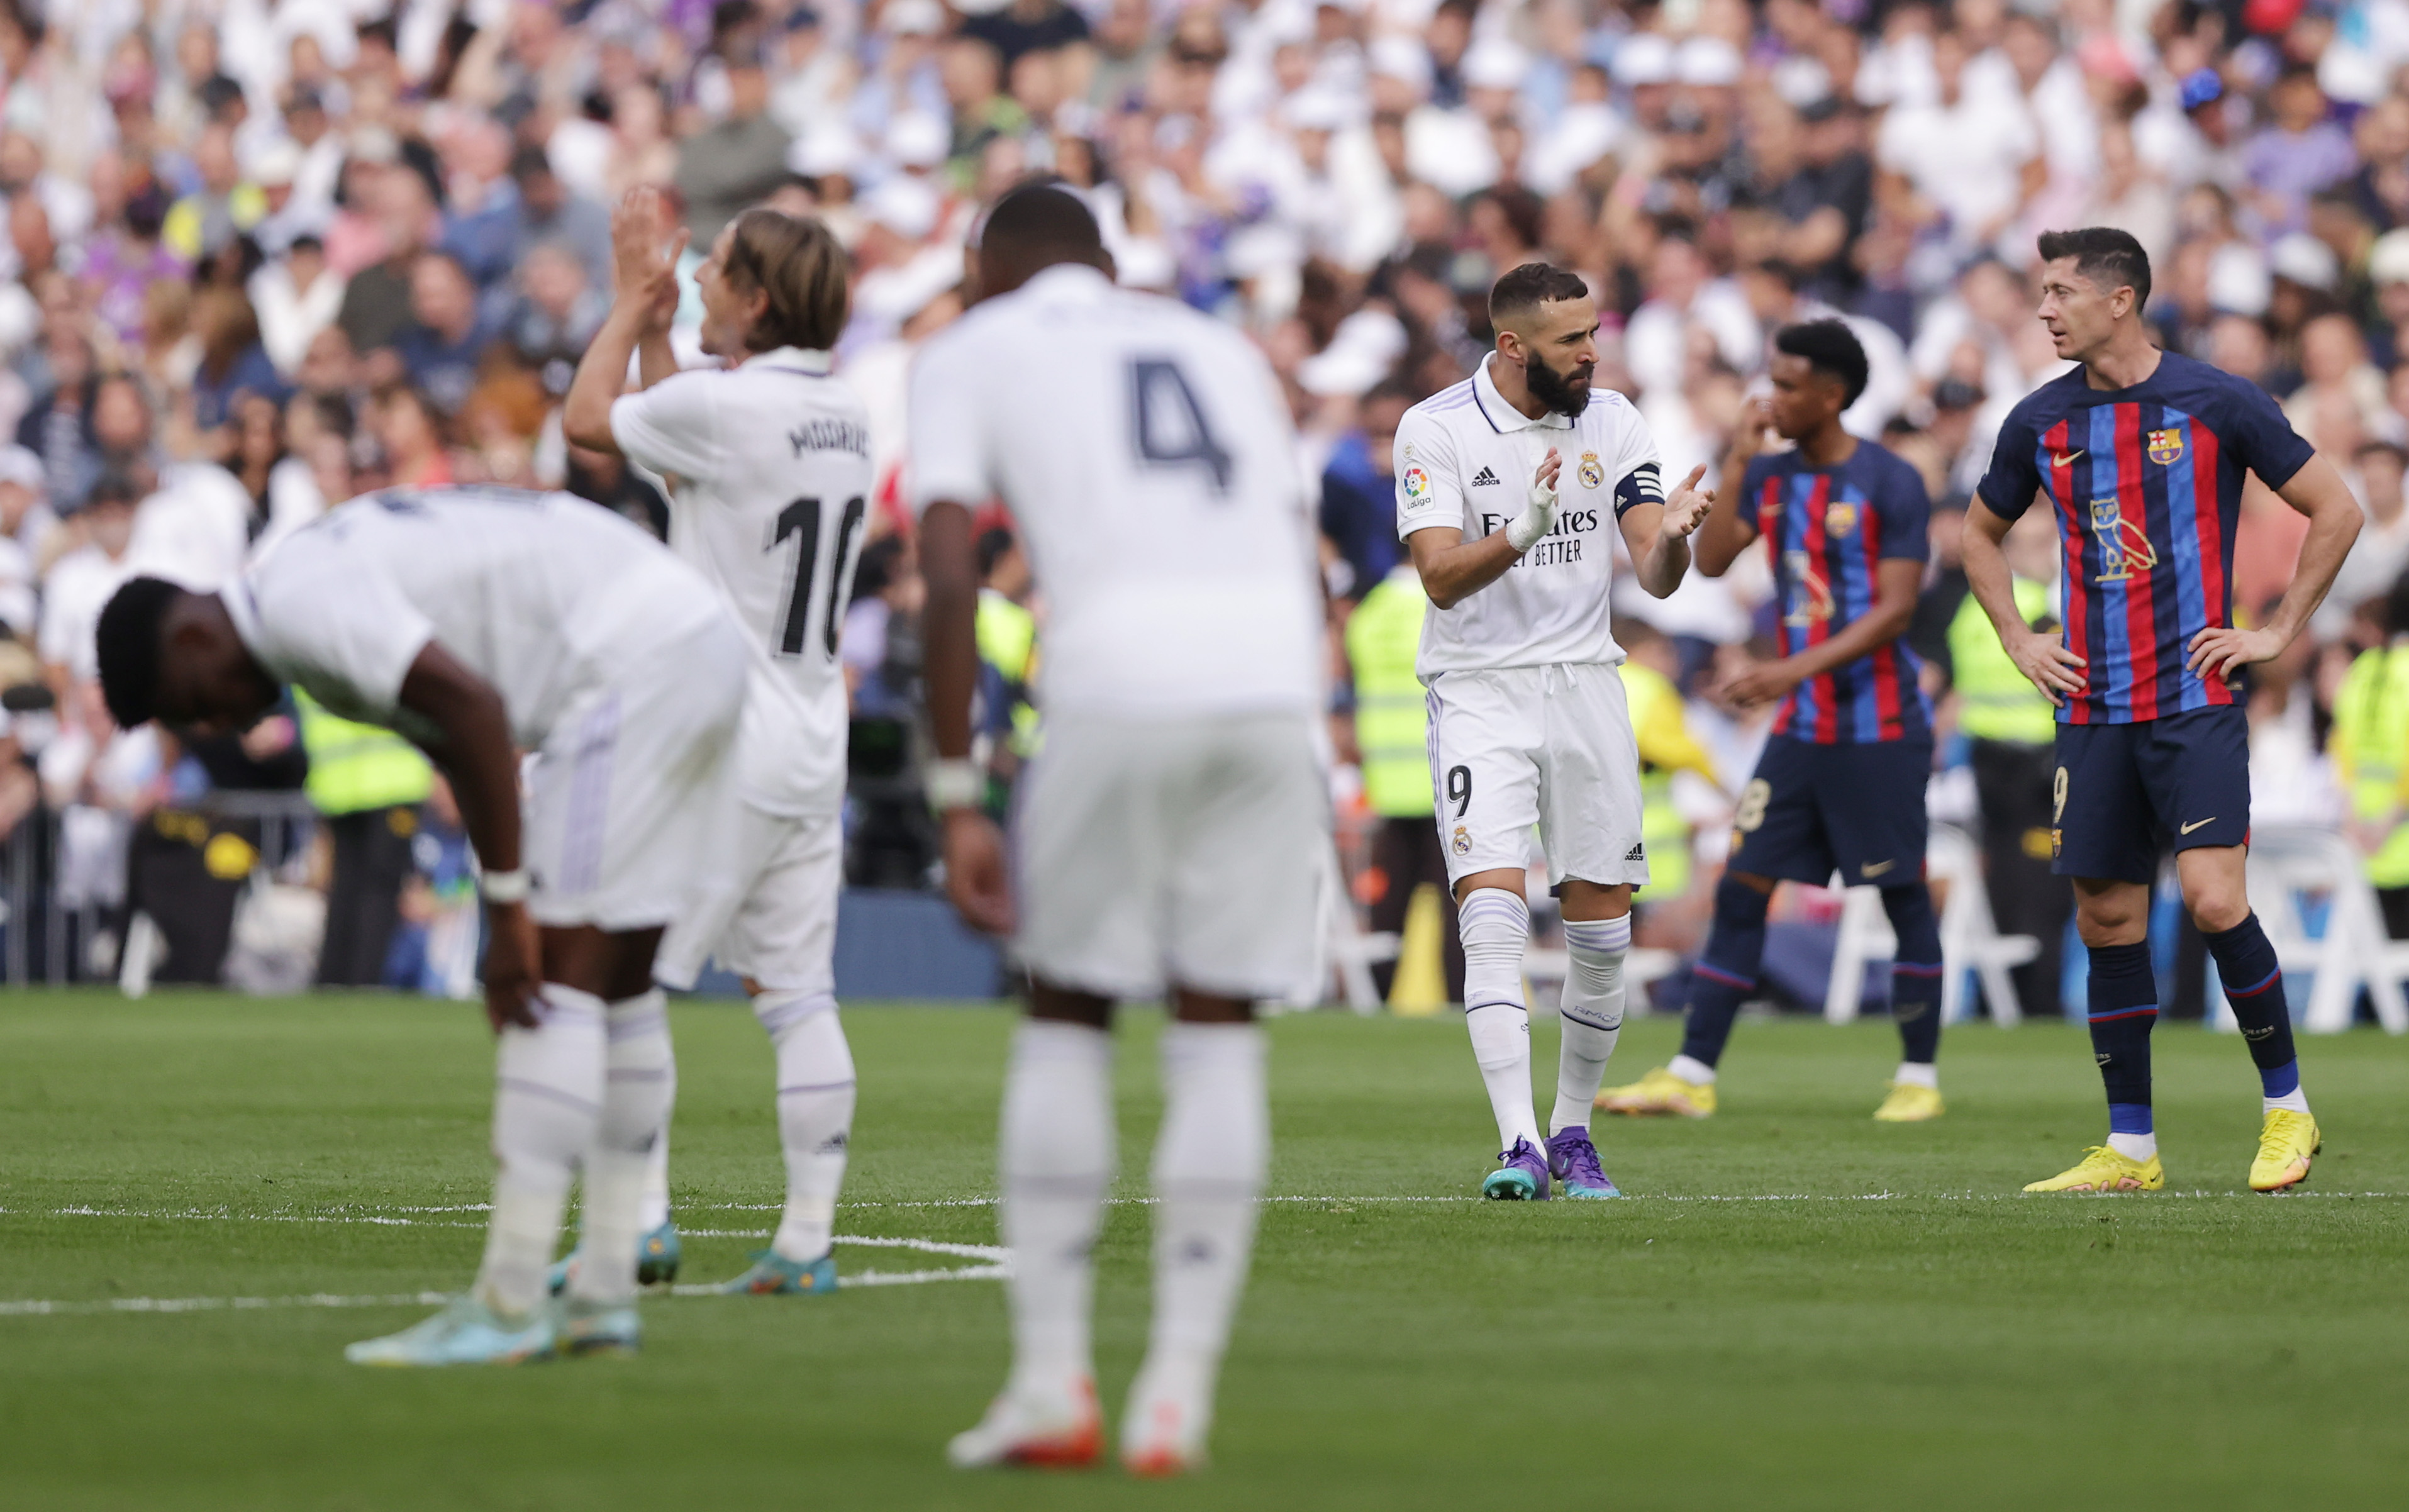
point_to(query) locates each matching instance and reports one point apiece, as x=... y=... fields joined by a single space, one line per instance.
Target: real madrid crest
x=1592 y=474
x=2166 y=447
x=1839 y=519
x=1461 y=844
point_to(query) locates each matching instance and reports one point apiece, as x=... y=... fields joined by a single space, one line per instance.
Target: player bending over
x=1168 y=837
x=1507 y=484
x=1840 y=785
x=2141 y=454
x=474 y=621
x=768 y=462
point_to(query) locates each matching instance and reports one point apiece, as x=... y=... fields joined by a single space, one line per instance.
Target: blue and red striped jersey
x=1825 y=528
x=2147 y=481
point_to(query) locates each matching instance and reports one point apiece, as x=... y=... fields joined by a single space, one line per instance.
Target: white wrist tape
x=1523 y=531
x=954 y=785
x=504 y=886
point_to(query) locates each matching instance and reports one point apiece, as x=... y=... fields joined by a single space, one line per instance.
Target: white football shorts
x=768 y=909
x=1551 y=746
x=1182 y=851
x=625 y=796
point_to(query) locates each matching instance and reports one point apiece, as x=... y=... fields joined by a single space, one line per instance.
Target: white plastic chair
x=2287 y=862
x=1347 y=947
x=1969 y=939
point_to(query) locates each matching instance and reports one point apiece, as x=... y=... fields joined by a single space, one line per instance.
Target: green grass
x=1940 y=1343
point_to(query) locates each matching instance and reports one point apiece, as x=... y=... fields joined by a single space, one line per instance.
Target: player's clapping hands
x=1686 y=508
x=646 y=245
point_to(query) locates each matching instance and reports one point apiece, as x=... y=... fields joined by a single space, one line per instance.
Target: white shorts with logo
x=624 y=798
x=768 y=911
x=1184 y=851
x=1551 y=746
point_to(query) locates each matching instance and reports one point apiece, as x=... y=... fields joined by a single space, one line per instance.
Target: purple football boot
x=1523 y=1176
x=1573 y=1161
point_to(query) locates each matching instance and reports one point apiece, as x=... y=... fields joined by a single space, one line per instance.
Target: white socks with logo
x=547 y=1106
x=1057 y=1159
x=1209 y=1159
x=1592 y=1015
x=640 y=1088
x=815 y=1099
x=1495 y=925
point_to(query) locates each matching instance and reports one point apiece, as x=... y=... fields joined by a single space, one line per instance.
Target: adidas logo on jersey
x=1483 y=476
x=1636 y=853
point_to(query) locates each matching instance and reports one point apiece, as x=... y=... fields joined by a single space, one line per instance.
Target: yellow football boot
x=2285 y=1146
x=2102 y=1170
x=1660 y=1092
x=1909 y=1103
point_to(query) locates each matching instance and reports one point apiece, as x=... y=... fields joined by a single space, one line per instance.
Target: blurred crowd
x=263 y=255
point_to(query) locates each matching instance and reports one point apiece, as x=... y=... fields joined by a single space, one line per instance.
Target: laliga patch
x=1593 y=474
x=1416 y=483
x=1461 y=844
x=2166 y=447
x=1839 y=519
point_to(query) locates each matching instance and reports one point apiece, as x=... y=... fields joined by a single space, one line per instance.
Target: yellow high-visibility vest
x=1994 y=702
x=355 y=768
x=2370 y=745
x=1383 y=636
x=1665 y=746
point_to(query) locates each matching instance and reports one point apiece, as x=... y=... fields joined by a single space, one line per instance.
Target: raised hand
x=1686 y=508
x=644 y=251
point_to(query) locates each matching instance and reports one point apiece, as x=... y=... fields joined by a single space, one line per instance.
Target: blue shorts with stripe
x=1855 y=808
x=2124 y=794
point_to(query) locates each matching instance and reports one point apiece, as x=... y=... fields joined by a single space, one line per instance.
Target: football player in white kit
x=768 y=462
x=1507 y=485
x=474 y=620
x=1167 y=839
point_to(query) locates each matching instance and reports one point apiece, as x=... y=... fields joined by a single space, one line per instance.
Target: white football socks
x=1695 y=1073
x=547 y=1105
x=2135 y=1147
x=815 y=1098
x=639 y=1088
x=1056 y=1162
x=1495 y=925
x=1593 y=1016
x=1918 y=1073
x=1209 y=1161
x=655 y=1209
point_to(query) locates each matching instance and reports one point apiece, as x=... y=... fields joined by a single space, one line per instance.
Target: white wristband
x=957 y=783
x=1523 y=531
x=504 y=886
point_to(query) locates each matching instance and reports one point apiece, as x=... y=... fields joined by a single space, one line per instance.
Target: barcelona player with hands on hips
x=2141 y=455
x=1840 y=785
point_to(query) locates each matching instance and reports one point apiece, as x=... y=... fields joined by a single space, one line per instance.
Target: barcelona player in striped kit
x=2141 y=454
x=1840 y=785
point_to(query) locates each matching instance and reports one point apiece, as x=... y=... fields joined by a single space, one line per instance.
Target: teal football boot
x=657 y=1261
x=465 y=1332
x=594 y=1328
x=773 y=1275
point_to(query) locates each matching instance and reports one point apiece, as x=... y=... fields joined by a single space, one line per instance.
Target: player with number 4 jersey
x=2141 y=455
x=768 y=467
x=1511 y=488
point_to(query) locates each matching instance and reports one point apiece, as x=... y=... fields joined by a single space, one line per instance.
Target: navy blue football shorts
x=2124 y=793
x=1854 y=808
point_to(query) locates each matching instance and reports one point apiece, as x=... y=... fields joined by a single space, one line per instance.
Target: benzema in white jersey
x=768 y=467
x=1507 y=484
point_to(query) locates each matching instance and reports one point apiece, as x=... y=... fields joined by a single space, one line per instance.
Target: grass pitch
x=1799 y=1309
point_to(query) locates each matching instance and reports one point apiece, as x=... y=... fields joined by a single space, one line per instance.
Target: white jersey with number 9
x=768 y=465
x=1146 y=454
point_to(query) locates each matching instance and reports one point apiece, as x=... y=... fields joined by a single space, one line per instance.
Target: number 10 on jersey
x=801 y=520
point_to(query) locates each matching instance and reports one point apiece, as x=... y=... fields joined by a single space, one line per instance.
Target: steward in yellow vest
x=366 y=783
x=2370 y=745
x=1383 y=636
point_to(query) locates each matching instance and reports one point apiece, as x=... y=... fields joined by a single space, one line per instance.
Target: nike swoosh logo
x=2196 y=824
x=1875 y=868
x=2063 y=459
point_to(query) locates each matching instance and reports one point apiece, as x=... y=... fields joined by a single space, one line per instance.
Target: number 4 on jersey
x=801 y=520
x=1169 y=423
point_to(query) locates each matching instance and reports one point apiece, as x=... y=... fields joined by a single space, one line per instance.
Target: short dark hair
x=132 y=631
x=798 y=262
x=1831 y=348
x=2105 y=255
x=1043 y=215
x=992 y=544
x=1530 y=286
x=115 y=485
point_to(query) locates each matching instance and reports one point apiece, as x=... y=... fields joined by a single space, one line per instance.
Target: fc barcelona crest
x=2166 y=447
x=1839 y=519
x=1592 y=474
